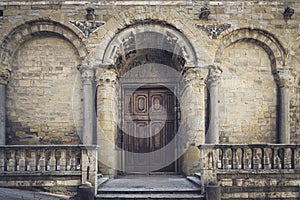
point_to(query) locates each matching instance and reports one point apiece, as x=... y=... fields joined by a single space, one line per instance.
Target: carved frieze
x=215 y=30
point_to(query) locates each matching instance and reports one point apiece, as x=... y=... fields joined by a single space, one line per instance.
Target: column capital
x=4 y=76
x=194 y=75
x=87 y=74
x=105 y=75
x=283 y=77
x=214 y=75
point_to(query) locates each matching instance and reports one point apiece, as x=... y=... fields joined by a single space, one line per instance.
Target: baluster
x=63 y=160
x=32 y=161
x=287 y=158
x=52 y=161
x=245 y=158
x=12 y=161
x=73 y=161
x=22 y=161
x=297 y=159
x=255 y=159
x=2 y=161
x=220 y=155
x=234 y=161
x=238 y=161
x=226 y=160
x=223 y=158
x=267 y=164
x=277 y=159
x=42 y=162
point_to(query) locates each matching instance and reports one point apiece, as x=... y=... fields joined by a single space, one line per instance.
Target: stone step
x=194 y=180
x=150 y=196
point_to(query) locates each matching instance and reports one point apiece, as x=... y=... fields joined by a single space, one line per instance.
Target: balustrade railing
x=249 y=157
x=78 y=160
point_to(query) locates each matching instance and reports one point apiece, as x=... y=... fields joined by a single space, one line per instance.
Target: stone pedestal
x=284 y=78
x=212 y=82
x=87 y=76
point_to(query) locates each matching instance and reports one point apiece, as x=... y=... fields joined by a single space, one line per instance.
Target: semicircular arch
x=38 y=28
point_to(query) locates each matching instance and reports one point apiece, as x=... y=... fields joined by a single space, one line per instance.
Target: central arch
x=149 y=57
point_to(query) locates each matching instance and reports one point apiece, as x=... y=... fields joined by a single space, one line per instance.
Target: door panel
x=149 y=125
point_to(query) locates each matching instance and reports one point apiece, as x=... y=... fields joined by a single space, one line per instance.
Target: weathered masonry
x=149 y=82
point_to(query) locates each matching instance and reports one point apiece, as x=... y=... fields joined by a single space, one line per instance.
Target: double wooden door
x=149 y=128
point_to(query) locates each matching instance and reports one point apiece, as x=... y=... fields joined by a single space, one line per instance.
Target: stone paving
x=15 y=194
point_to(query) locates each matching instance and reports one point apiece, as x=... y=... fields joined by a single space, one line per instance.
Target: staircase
x=149 y=187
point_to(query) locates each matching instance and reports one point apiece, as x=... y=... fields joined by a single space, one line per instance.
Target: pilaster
x=4 y=78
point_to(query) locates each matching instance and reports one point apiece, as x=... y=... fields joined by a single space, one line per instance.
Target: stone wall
x=248 y=96
x=44 y=94
x=41 y=48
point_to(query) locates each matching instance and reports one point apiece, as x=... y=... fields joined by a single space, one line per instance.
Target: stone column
x=4 y=76
x=192 y=124
x=87 y=77
x=283 y=77
x=107 y=119
x=213 y=79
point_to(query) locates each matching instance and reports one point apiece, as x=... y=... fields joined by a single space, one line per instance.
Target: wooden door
x=149 y=125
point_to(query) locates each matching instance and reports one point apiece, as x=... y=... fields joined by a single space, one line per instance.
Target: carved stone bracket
x=214 y=75
x=283 y=77
x=4 y=76
x=215 y=30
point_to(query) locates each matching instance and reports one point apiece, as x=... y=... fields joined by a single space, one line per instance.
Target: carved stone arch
x=264 y=39
x=123 y=42
x=37 y=28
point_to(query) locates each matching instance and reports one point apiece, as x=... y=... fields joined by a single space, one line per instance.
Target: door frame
x=175 y=88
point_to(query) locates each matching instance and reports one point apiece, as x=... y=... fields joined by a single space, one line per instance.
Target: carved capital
x=283 y=77
x=214 y=75
x=87 y=74
x=106 y=76
x=193 y=75
x=4 y=76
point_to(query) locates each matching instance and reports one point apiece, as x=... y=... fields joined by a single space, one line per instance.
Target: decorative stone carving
x=87 y=74
x=214 y=74
x=4 y=76
x=283 y=77
x=106 y=76
x=90 y=25
x=204 y=13
x=193 y=75
x=215 y=30
x=288 y=13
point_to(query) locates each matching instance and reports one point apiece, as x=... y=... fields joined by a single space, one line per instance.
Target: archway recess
x=149 y=34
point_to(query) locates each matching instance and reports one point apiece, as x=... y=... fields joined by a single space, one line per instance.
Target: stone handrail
x=66 y=160
x=250 y=157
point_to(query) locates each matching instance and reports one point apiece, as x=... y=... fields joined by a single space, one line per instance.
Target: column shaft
x=2 y=115
x=88 y=113
x=284 y=122
x=213 y=129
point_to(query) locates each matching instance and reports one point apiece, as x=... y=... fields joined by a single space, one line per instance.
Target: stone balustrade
x=250 y=157
x=55 y=165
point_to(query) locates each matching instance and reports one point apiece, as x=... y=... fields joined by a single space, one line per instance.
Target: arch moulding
x=264 y=39
x=113 y=49
x=37 y=28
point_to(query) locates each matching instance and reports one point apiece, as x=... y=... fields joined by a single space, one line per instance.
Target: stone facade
x=61 y=62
